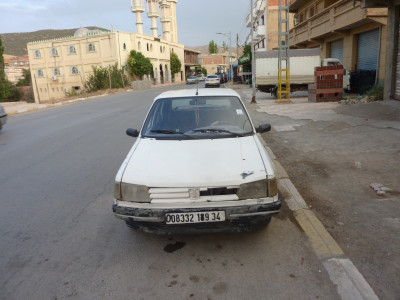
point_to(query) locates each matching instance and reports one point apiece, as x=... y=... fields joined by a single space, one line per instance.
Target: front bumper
x=241 y=215
x=3 y=120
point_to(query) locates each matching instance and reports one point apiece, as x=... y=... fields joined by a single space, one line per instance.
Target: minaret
x=174 y=26
x=138 y=8
x=165 y=19
x=153 y=13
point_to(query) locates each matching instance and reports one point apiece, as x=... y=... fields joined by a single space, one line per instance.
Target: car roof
x=202 y=92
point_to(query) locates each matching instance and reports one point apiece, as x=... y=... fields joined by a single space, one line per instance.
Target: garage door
x=368 y=50
x=337 y=50
x=397 y=88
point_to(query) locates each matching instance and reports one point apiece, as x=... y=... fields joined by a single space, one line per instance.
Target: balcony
x=260 y=7
x=338 y=18
x=256 y=39
x=294 y=5
x=261 y=31
x=248 y=21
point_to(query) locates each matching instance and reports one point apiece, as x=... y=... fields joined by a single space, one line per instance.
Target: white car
x=212 y=80
x=191 y=79
x=197 y=165
x=201 y=77
x=3 y=117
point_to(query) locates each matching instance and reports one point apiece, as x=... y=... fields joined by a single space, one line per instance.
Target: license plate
x=195 y=217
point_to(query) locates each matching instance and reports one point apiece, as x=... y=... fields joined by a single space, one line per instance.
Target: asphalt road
x=60 y=240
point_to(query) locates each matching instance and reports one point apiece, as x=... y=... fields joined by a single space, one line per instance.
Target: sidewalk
x=344 y=160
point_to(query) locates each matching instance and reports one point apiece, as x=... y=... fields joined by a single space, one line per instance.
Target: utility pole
x=253 y=59
x=230 y=49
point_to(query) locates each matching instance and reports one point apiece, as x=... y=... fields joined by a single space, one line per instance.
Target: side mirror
x=132 y=132
x=263 y=128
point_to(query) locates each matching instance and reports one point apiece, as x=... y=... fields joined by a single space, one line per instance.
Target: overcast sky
x=198 y=20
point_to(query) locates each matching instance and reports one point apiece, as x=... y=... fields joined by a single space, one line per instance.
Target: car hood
x=196 y=163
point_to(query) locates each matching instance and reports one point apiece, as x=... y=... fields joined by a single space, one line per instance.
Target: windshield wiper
x=217 y=130
x=166 y=131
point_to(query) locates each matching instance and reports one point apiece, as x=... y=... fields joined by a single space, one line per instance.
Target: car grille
x=190 y=195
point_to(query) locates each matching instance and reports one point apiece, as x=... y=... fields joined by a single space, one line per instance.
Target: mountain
x=15 y=43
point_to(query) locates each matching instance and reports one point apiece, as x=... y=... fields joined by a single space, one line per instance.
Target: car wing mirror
x=263 y=128
x=132 y=132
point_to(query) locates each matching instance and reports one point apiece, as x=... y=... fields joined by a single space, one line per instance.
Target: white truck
x=302 y=64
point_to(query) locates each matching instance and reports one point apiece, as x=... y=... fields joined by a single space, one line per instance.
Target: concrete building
x=60 y=66
x=342 y=29
x=215 y=63
x=14 y=66
x=192 y=61
x=392 y=70
x=265 y=25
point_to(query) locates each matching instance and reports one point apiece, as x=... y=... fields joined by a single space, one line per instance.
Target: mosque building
x=61 y=66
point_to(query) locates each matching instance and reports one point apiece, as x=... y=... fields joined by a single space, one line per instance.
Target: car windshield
x=199 y=117
x=212 y=76
x=192 y=77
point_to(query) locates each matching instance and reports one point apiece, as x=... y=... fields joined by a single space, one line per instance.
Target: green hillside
x=15 y=43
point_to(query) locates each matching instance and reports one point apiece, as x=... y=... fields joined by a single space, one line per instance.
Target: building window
x=124 y=46
x=139 y=45
x=39 y=73
x=56 y=72
x=148 y=47
x=312 y=11
x=54 y=51
x=160 y=49
x=151 y=47
x=71 y=49
x=37 y=54
x=74 y=70
x=164 y=49
x=91 y=47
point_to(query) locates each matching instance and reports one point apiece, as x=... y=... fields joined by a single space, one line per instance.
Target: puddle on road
x=173 y=247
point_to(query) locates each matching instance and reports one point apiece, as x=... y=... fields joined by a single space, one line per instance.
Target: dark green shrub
x=102 y=77
x=375 y=93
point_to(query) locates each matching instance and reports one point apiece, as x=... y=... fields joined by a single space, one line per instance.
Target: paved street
x=59 y=238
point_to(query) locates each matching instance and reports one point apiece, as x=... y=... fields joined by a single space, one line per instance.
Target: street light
x=229 y=52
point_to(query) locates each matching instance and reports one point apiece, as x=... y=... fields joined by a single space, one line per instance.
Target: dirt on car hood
x=196 y=163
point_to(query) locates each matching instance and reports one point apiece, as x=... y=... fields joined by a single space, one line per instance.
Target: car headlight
x=258 y=189
x=131 y=192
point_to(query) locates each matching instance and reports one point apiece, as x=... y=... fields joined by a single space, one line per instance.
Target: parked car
x=197 y=166
x=3 y=117
x=201 y=77
x=222 y=77
x=212 y=80
x=191 y=79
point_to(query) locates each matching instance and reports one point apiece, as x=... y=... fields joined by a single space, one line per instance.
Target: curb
x=349 y=281
x=36 y=107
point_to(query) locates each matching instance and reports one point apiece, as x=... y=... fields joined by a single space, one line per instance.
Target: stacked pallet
x=328 y=84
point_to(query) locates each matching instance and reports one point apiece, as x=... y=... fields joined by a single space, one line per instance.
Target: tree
x=225 y=46
x=212 y=48
x=247 y=50
x=27 y=78
x=138 y=64
x=3 y=81
x=176 y=64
